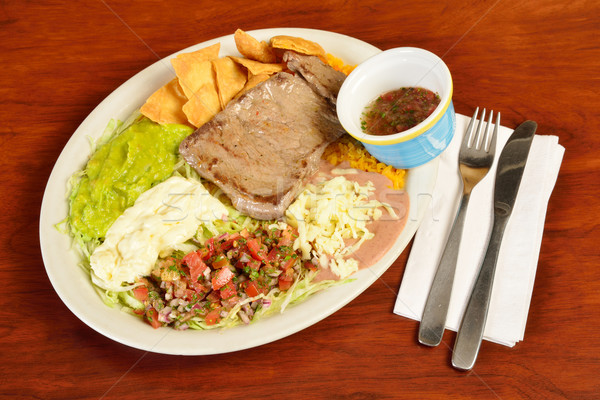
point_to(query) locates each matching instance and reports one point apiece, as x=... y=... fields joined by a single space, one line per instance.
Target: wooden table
x=530 y=60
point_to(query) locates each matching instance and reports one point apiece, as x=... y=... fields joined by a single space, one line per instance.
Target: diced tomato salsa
x=398 y=110
x=208 y=283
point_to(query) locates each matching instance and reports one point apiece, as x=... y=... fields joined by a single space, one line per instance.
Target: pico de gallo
x=228 y=276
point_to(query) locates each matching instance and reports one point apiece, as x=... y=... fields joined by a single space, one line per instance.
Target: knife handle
x=470 y=332
x=433 y=320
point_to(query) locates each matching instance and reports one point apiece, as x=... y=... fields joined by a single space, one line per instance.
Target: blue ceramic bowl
x=391 y=70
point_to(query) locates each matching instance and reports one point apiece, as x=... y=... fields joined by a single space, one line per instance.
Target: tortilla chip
x=194 y=70
x=231 y=78
x=253 y=81
x=251 y=48
x=205 y=54
x=202 y=107
x=165 y=105
x=257 y=68
x=298 y=45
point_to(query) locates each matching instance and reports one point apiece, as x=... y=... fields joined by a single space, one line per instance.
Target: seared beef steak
x=318 y=75
x=262 y=147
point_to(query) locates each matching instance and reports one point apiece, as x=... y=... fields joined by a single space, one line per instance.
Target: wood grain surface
x=536 y=59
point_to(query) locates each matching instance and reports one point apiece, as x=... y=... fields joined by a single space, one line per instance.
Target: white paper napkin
x=518 y=257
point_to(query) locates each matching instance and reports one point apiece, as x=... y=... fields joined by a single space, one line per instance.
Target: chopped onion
x=244 y=317
x=179 y=292
x=223 y=236
x=248 y=310
x=164 y=315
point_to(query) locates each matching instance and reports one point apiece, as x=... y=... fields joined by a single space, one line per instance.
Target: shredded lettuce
x=298 y=292
x=279 y=301
x=128 y=299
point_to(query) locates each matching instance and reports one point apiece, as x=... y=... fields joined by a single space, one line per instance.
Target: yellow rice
x=349 y=149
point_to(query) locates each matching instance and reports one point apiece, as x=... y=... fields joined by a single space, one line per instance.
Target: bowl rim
x=418 y=129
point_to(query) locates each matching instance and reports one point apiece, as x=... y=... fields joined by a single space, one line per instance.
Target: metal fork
x=474 y=160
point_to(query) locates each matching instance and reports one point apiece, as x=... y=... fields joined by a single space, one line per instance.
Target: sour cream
x=160 y=220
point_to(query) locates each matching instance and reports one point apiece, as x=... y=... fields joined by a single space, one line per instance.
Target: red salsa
x=398 y=110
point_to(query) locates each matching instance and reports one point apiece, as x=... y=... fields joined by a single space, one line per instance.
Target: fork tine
x=486 y=135
x=478 y=140
x=492 y=145
x=469 y=132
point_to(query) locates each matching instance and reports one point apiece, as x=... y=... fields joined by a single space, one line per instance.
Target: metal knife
x=508 y=178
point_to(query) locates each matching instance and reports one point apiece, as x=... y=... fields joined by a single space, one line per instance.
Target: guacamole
x=130 y=163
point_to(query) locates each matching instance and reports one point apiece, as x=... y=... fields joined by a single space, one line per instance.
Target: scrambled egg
x=161 y=219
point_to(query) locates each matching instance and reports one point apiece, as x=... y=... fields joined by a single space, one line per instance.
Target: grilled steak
x=318 y=75
x=262 y=147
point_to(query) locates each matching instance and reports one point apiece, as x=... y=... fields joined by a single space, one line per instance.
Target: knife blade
x=511 y=165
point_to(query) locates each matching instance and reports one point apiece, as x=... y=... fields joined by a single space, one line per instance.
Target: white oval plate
x=74 y=287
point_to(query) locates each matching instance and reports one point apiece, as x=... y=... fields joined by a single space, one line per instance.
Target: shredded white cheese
x=328 y=213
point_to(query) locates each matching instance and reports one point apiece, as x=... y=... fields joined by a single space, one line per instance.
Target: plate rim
x=155 y=340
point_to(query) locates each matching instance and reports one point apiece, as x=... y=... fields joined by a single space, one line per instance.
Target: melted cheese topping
x=161 y=219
